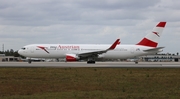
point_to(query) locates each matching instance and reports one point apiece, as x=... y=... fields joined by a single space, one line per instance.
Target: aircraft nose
x=20 y=52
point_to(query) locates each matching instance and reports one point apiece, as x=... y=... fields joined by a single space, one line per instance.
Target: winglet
x=113 y=46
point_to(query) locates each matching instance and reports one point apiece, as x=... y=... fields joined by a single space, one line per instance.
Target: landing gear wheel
x=29 y=61
x=136 y=62
x=91 y=62
x=57 y=59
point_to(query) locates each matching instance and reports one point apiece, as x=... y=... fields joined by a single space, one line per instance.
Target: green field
x=89 y=83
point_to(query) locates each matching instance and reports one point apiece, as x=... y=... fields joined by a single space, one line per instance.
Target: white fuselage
x=61 y=50
x=75 y=52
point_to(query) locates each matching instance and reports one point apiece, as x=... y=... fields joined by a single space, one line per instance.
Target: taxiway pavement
x=98 y=64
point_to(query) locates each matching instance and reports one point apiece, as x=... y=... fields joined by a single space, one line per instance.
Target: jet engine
x=71 y=57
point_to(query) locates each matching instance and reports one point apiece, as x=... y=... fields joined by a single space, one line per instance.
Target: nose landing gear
x=29 y=61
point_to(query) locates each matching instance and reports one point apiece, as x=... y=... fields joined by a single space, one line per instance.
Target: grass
x=89 y=83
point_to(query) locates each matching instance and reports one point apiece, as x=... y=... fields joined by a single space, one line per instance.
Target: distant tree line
x=10 y=52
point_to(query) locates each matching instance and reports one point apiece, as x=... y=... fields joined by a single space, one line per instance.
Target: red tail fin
x=152 y=38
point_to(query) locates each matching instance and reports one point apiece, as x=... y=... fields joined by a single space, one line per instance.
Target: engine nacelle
x=71 y=57
x=101 y=56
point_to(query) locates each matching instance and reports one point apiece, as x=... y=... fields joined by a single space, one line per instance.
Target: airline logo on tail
x=152 y=39
x=156 y=33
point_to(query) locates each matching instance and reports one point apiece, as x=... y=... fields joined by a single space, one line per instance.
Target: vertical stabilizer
x=152 y=38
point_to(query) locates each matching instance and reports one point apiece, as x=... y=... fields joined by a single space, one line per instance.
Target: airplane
x=91 y=52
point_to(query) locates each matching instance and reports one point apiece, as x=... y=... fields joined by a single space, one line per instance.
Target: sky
x=24 y=22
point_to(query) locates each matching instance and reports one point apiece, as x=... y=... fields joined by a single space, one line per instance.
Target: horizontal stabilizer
x=157 y=49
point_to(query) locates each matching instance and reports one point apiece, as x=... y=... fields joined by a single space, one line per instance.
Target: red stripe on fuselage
x=146 y=42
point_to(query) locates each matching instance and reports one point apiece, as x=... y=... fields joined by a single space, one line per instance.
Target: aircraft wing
x=95 y=53
x=157 y=49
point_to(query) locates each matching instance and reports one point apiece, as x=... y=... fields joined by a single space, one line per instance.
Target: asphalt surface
x=98 y=64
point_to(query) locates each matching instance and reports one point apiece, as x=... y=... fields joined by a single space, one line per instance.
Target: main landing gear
x=91 y=62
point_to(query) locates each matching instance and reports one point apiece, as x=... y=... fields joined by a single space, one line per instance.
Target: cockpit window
x=23 y=48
